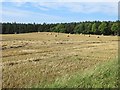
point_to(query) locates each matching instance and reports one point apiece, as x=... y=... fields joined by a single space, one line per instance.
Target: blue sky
x=56 y=12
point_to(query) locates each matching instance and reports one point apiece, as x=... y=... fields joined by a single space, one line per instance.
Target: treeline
x=95 y=27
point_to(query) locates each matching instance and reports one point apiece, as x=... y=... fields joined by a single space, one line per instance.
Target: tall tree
x=79 y=28
x=60 y=28
x=103 y=28
x=115 y=28
x=94 y=28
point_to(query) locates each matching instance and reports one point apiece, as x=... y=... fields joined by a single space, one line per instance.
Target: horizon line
x=61 y=22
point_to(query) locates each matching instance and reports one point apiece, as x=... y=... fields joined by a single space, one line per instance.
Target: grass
x=103 y=75
x=43 y=60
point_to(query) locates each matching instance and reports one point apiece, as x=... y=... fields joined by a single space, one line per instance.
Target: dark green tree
x=94 y=28
x=115 y=28
x=103 y=28
x=79 y=28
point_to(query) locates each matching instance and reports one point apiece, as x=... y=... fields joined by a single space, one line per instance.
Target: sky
x=58 y=11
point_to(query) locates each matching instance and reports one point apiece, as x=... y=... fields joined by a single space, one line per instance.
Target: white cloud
x=37 y=5
x=60 y=0
x=108 y=8
x=13 y=14
x=77 y=7
x=18 y=4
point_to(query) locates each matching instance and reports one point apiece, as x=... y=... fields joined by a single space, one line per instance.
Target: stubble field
x=39 y=60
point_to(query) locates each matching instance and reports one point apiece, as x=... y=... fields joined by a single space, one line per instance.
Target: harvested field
x=40 y=59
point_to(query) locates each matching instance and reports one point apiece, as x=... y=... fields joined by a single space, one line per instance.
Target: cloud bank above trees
x=53 y=12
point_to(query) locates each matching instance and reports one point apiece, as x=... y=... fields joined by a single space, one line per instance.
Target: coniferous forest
x=87 y=27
